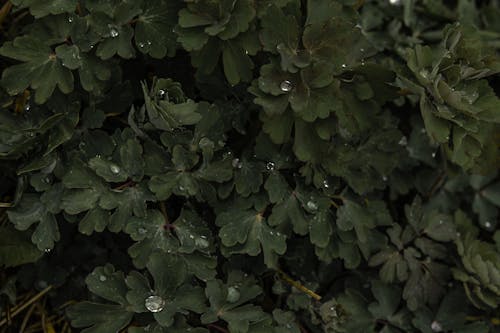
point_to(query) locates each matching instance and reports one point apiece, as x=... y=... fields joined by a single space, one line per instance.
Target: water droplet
x=433 y=154
x=191 y=236
x=102 y=278
x=70 y=19
x=141 y=45
x=161 y=93
x=233 y=295
x=289 y=326
x=361 y=50
x=286 y=86
x=424 y=73
x=487 y=224
x=237 y=163
x=47 y=250
x=312 y=205
x=27 y=107
x=181 y=188
x=42 y=284
x=270 y=166
x=384 y=178
x=142 y=231
x=325 y=184
x=201 y=242
x=344 y=66
x=114 y=169
x=46 y=180
x=403 y=141
x=436 y=326
x=113 y=32
x=246 y=51
x=154 y=303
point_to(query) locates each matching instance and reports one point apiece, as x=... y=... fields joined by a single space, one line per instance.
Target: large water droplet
x=102 y=278
x=270 y=166
x=436 y=326
x=47 y=250
x=236 y=163
x=70 y=19
x=233 y=295
x=286 y=86
x=344 y=66
x=161 y=93
x=27 y=107
x=141 y=45
x=487 y=224
x=312 y=205
x=326 y=184
x=154 y=303
x=201 y=242
x=114 y=169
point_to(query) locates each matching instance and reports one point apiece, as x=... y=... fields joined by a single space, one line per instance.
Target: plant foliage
x=252 y=166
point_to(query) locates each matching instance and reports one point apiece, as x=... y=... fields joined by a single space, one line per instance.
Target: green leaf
x=227 y=302
x=29 y=211
x=41 y=69
x=246 y=231
x=151 y=29
x=39 y=9
x=16 y=248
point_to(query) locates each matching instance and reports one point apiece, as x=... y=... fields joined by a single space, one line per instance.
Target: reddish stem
x=217 y=328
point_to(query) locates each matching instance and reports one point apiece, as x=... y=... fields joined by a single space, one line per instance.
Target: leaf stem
x=5 y=11
x=218 y=328
x=298 y=285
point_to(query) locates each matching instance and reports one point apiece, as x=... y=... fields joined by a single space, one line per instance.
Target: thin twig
x=298 y=285
x=27 y=304
x=27 y=318
x=164 y=212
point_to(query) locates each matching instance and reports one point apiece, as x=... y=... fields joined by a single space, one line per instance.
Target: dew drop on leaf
x=141 y=45
x=403 y=141
x=102 y=278
x=487 y=224
x=236 y=163
x=233 y=295
x=114 y=169
x=312 y=205
x=270 y=166
x=113 y=32
x=47 y=250
x=325 y=184
x=70 y=19
x=154 y=303
x=201 y=242
x=286 y=86
x=161 y=93
x=436 y=326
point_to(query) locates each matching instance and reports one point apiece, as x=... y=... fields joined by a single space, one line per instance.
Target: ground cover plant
x=249 y=166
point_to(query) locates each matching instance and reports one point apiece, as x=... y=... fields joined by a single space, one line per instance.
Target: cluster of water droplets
x=237 y=164
x=143 y=45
